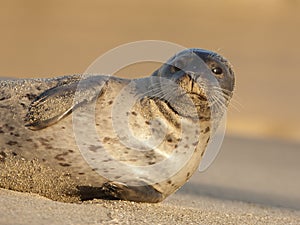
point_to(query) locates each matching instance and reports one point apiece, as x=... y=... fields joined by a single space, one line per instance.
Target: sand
x=250 y=195
x=20 y=208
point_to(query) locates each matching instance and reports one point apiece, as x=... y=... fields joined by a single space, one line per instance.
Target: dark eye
x=217 y=70
x=174 y=69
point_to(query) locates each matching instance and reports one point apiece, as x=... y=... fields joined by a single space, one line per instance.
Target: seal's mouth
x=195 y=90
x=201 y=96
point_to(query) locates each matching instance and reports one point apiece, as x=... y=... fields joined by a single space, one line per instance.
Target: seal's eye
x=174 y=69
x=217 y=70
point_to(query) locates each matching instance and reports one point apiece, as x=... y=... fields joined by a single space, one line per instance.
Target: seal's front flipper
x=56 y=103
x=144 y=193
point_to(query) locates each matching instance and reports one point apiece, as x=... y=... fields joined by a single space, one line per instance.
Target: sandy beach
x=19 y=208
x=255 y=178
x=263 y=191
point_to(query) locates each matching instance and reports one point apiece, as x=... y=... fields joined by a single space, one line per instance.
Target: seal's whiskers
x=234 y=102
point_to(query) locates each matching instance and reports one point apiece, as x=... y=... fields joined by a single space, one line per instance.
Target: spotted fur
x=36 y=125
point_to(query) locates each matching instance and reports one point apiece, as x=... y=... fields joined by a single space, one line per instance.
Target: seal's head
x=205 y=76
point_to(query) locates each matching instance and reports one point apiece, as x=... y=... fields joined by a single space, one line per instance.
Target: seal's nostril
x=174 y=69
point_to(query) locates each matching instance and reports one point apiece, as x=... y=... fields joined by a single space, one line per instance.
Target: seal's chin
x=191 y=101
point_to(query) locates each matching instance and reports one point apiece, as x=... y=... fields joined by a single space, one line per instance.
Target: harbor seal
x=174 y=113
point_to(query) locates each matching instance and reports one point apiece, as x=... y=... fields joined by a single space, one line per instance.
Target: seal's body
x=137 y=140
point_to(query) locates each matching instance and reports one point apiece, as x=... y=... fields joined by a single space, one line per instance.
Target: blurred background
x=260 y=38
